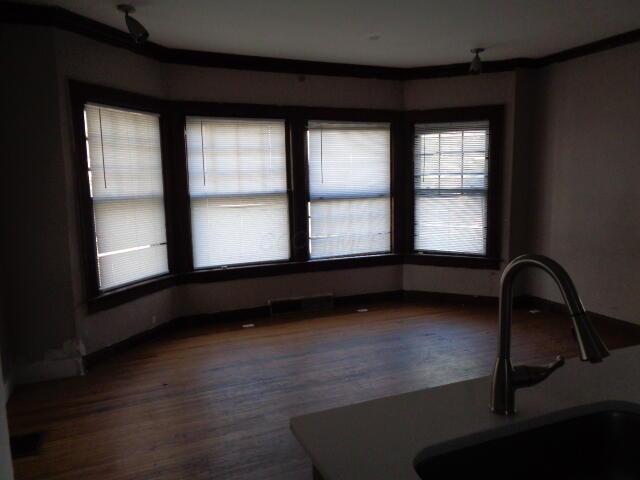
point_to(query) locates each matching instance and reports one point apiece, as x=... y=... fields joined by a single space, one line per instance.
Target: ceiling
x=400 y=33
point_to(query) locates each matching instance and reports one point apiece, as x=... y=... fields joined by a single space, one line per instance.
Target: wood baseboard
x=224 y=317
x=418 y=295
x=522 y=301
x=602 y=322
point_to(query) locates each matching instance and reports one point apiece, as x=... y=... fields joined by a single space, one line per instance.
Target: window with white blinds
x=451 y=166
x=124 y=164
x=238 y=188
x=349 y=187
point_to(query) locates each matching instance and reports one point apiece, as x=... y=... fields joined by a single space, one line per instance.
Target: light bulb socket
x=136 y=30
x=126 y=8
x=476 y=62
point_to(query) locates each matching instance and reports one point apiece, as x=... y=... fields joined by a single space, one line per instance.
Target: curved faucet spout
x=591 y=346
x=506 y=378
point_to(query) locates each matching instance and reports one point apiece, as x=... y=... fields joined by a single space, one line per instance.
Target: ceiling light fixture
x=476 y=63
x=136 y=30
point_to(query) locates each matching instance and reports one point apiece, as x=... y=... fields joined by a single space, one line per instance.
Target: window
x=349 y=187
x=124 y=164
x=238 y=188
x=451 y=167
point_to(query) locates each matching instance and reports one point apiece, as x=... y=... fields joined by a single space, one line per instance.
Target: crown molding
x=53 y=16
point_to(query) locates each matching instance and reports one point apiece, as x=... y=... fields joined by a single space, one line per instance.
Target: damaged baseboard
x=63 y=362
x=52 y=369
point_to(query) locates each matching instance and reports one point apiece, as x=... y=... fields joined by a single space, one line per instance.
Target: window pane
x=350 y=227
x=123 y=224
x=238 y=230
x=125 y=176
x=451 y=165
x=451 y=224
x=349 y=186
x=238 y=188
x=130 y=265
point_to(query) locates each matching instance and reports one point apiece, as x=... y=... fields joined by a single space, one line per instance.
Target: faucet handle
x=526 y=376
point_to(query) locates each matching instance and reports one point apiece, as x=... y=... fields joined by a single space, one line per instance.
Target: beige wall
x=466 y=91
x=585 y=183
x=111 y=326
x=224 y=85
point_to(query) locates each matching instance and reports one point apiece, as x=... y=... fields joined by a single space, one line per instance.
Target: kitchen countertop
x=380 y=439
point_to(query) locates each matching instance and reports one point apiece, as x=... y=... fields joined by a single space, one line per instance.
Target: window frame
x=80 y=95
x=244 y=115
x=392 y=162
x=296 y=123
x=224 y=110
x=395 y=121
x=173 y=115
x=495 y=115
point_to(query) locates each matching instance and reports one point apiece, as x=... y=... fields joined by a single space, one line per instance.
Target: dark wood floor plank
x=213 y=402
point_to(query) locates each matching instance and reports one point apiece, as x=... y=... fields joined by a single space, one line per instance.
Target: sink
x=597 y=446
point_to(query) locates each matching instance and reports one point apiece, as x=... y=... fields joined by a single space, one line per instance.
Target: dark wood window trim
x=177 y=202
x=454 y=261
x=495 y=115
x=182 y=110
x=22 y=13
x=81 y=94
x=296 y=118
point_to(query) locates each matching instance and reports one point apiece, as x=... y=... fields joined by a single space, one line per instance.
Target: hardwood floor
x=213 y=402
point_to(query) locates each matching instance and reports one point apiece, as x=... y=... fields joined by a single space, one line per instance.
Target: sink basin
x=596 y=446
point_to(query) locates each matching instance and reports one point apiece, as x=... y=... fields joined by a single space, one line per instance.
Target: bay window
x=185 y=191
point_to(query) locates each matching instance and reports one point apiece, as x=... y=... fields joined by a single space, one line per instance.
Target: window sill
x=119 y=296
x=284 y=268
x=457 y=261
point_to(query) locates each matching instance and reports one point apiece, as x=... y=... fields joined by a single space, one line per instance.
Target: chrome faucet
x=506 y=378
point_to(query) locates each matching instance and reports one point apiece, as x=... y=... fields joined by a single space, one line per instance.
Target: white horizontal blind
x=125 y=178
x=451 y=166
x=238 y=188
x=349 y=186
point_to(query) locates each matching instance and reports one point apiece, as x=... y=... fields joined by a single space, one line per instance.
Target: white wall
x=585 y=184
